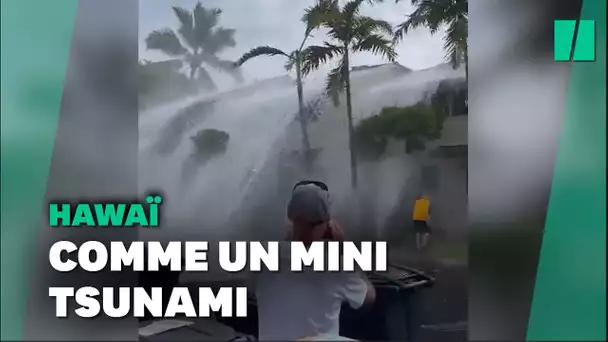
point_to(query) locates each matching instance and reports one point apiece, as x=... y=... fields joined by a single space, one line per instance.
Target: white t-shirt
x=294 y=305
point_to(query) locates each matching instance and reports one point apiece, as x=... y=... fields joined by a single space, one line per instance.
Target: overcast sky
x=277 y=23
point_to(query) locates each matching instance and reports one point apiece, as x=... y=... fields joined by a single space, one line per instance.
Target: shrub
x=414 y=125
x=209 y=143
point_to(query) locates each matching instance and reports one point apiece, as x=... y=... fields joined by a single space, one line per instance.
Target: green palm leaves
x=293 y=59
x=434 y=14
x=348 y=31
x=197 y=42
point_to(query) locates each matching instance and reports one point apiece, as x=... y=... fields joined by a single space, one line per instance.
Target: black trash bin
x=163 y=278
x=244 y=325
x=397 y=312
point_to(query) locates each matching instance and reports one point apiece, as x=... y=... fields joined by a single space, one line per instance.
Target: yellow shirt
x=421 y=210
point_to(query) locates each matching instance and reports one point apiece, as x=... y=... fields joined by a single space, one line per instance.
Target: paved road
x=444 y=307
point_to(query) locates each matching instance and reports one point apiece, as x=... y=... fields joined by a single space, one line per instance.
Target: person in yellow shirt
x=420 y=216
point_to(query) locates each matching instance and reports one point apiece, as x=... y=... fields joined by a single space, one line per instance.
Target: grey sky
x=277 y=23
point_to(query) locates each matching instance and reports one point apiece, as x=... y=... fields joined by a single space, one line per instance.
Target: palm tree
x=293 y=60
x=197 y=41
x=433 y=14
x=349 y=32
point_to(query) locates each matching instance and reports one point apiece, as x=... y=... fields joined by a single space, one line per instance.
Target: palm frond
x=351 y=9
x=165 y=40
x=197 y=40
x=184 y=16
x=291 y=60
x=453 y=57
x=429 y=13
x=205 y=19
x=432 y=14
x=455 y=41
x=186 y=26
x=315 y=55
x=454 y=54
x=335 y=83
x=435 y=12
x=259 y=51
x=219 y=64
x=223 y=65
x=413 y=21
x=339 y=30
x=377 y=44
x=458 y=31
x=323 y=12
x=219 y=39
x=363 y=26
x=457 y=8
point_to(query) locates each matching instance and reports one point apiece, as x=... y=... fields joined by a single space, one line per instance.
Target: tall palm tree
x=197 y=41
x=348 y=32
x=294 y=59
x=434 y=14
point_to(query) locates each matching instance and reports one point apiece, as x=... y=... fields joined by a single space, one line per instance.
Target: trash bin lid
x=325 y=337
x=401 y=276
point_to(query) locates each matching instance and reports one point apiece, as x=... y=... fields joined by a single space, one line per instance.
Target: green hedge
x=413 y=125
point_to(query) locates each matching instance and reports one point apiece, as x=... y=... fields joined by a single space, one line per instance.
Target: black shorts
x=421 y=227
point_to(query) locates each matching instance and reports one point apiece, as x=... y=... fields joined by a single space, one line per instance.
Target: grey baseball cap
x=309 y=203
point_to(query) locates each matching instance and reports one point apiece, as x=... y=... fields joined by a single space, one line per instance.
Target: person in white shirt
x=298 y=305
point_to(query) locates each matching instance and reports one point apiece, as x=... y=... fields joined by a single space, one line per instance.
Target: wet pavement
x=443 y=308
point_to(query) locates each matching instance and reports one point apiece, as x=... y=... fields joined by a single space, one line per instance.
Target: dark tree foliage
x=197 y=42
x=435 y=14
x=209 y=143
x=413 y=125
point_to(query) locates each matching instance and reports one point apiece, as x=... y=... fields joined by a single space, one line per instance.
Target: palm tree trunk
x=351 y=130
x=302 y=119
